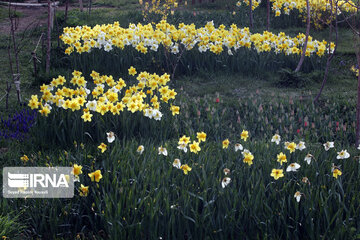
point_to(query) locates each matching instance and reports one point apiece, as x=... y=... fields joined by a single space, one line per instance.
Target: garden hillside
x=212 y=119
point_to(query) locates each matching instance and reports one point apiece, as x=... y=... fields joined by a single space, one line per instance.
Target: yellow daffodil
x=277 y=173
x=77 y=170
x=24 y=158
x=225 y=143
x=83 y=190
x=244 y=135
x=102 y=147
x=281 y=158
x=291 y=147
x=248 y=158
x=336 y=173
x=132 y=71
x=185 y=168
x=95 y=176
x=194 y=147
x=201 y=136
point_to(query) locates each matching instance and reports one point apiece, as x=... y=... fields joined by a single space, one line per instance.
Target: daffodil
x=185 y=168
x=110 y=137
x=225 y=143
x=293 y=167
x=194 y=147
x=182 y=147
x=132 y=71
x=140 y=149
x=102 y=147
x=277 y=173
x=297 y=196
x=24 y=158
x=226 y=171
x=301 y=146
x=162 y=151
x=281 y=158
x=328 y=145
x=238 y=147
x=177 y=163
x=291 y=147
x=226 y=181
x=83 y=190
x=276 y=139
x=87 y=116
x=95 y=176
x=308 y=158
x=184 y=140
x=248 y=158
x=343 y=154
x=77 y=170
x=244 y=135
x=336 y=173
x=201 y=136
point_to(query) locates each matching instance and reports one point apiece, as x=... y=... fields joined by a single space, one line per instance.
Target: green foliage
x=10 y=225
x=290 y=78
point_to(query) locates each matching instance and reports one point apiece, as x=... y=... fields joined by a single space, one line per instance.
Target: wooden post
x=16 y=78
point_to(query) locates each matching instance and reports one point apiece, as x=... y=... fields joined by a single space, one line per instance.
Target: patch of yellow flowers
x=108 y=95
x=285 y=6
x=160 y=7
x=143 y=38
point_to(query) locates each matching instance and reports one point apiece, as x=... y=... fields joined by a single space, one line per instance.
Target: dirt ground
x=34 y=16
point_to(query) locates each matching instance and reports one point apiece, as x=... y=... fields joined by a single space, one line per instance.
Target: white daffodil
x=297 y=195
x=301 y=146
x=157 y=115
x=177 y=163
x=183 y=147
x=163 y=151
x=91 y=105
x=308 y=158
x=276 y=139
x=343 y=154
x=110 y=137
x=238 y=147
x=226 y=171
x=328 y=145
x=245 y=152
x=293 y=167
x=225 y=182
x=140 y=149
x=148 y=113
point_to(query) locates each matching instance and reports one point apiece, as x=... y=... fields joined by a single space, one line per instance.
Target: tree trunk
x=250 y=14
x=81 y=5
x=48 y=39
x=66 y=10
x=358 y=99
x=15 y=76
x=357 y=51
x=90 y=4
x=267 y=15
x=306 y=37
x=331 y=55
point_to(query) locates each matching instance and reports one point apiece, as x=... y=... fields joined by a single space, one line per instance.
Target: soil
x=33 y=16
